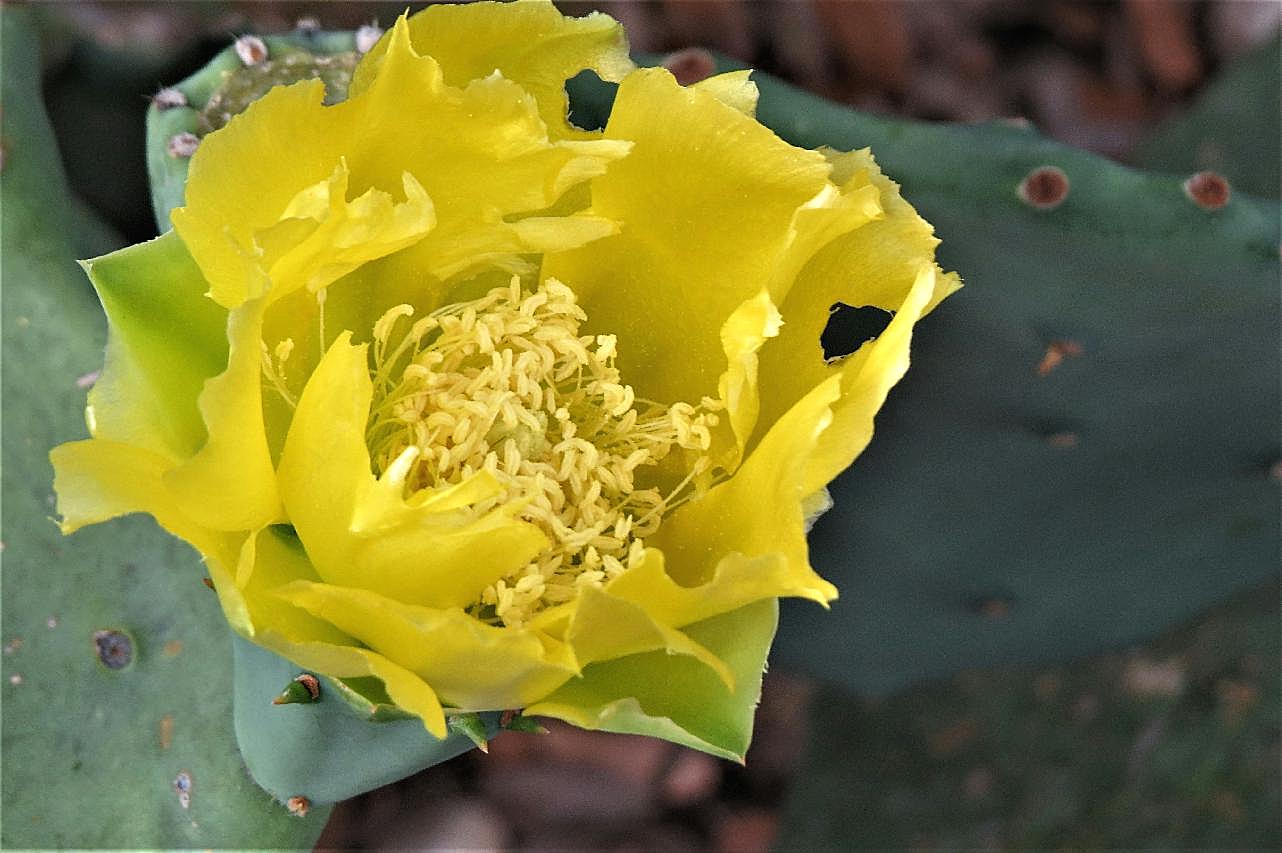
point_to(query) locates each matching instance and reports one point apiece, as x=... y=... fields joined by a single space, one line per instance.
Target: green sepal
x=472 y=727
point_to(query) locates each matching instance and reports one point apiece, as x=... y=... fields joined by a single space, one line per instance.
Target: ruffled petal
x=97 y=480
x=677 y=698
x=866 y=378
x=530 y=43
x=876 y=264
x=447 y=648
x=706 y=197
x=269 y=559
x=436 y=558
x=264 y=208
x=164 y=339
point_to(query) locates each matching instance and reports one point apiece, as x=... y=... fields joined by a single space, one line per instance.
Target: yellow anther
x=506 y=384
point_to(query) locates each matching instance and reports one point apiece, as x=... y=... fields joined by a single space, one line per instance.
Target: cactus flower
x=457 y=397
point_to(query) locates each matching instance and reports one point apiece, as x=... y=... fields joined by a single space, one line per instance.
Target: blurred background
x=1172 y=744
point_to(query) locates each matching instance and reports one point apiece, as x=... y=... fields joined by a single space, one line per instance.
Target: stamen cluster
x=506 y=384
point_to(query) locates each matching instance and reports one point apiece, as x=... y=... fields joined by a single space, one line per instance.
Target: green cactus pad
x=117 y=727
x=323 y=751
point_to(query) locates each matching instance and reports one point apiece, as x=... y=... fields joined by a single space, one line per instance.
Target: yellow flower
x=498 y=411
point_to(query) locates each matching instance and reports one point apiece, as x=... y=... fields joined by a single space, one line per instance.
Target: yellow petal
x=428 y=556
x=341 y=235
x=866 y=378
x=470 y=664
x=255 y=185
x=734 y=89
x=758 y=511
x=706 y=197
x=876 y=264
x=530 y=43
x=231 y=483
x=744 y=333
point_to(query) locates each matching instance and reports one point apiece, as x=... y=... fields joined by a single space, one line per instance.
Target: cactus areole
x=461 y=401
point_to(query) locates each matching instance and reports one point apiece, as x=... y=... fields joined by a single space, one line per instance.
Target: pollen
x=508 y=385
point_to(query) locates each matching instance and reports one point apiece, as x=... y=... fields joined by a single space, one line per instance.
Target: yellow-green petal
x=164 y=339
x=677 y=698
x=604 y=627
x=97 y=480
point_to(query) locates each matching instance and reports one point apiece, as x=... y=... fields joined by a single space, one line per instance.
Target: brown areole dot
x=1208 y=190
x=115 y=648
x=1044 y=188
x=298 y=806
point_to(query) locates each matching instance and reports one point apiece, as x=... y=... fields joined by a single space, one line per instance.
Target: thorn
x=182 y=145
x=207 y=582
x=367 y=36
x=1208 y=190
x=471 y=726
x=298 y=806
x=251 y=49
x=303 y=690
x=168 y=98
x=1044 y=188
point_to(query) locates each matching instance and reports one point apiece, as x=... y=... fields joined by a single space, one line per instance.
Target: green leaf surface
x=1234 y=127
x=96 y=756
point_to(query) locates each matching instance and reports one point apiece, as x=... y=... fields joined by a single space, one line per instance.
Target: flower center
x=506 y=384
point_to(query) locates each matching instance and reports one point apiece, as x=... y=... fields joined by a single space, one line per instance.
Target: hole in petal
x=590 y=100
x=850 y=327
